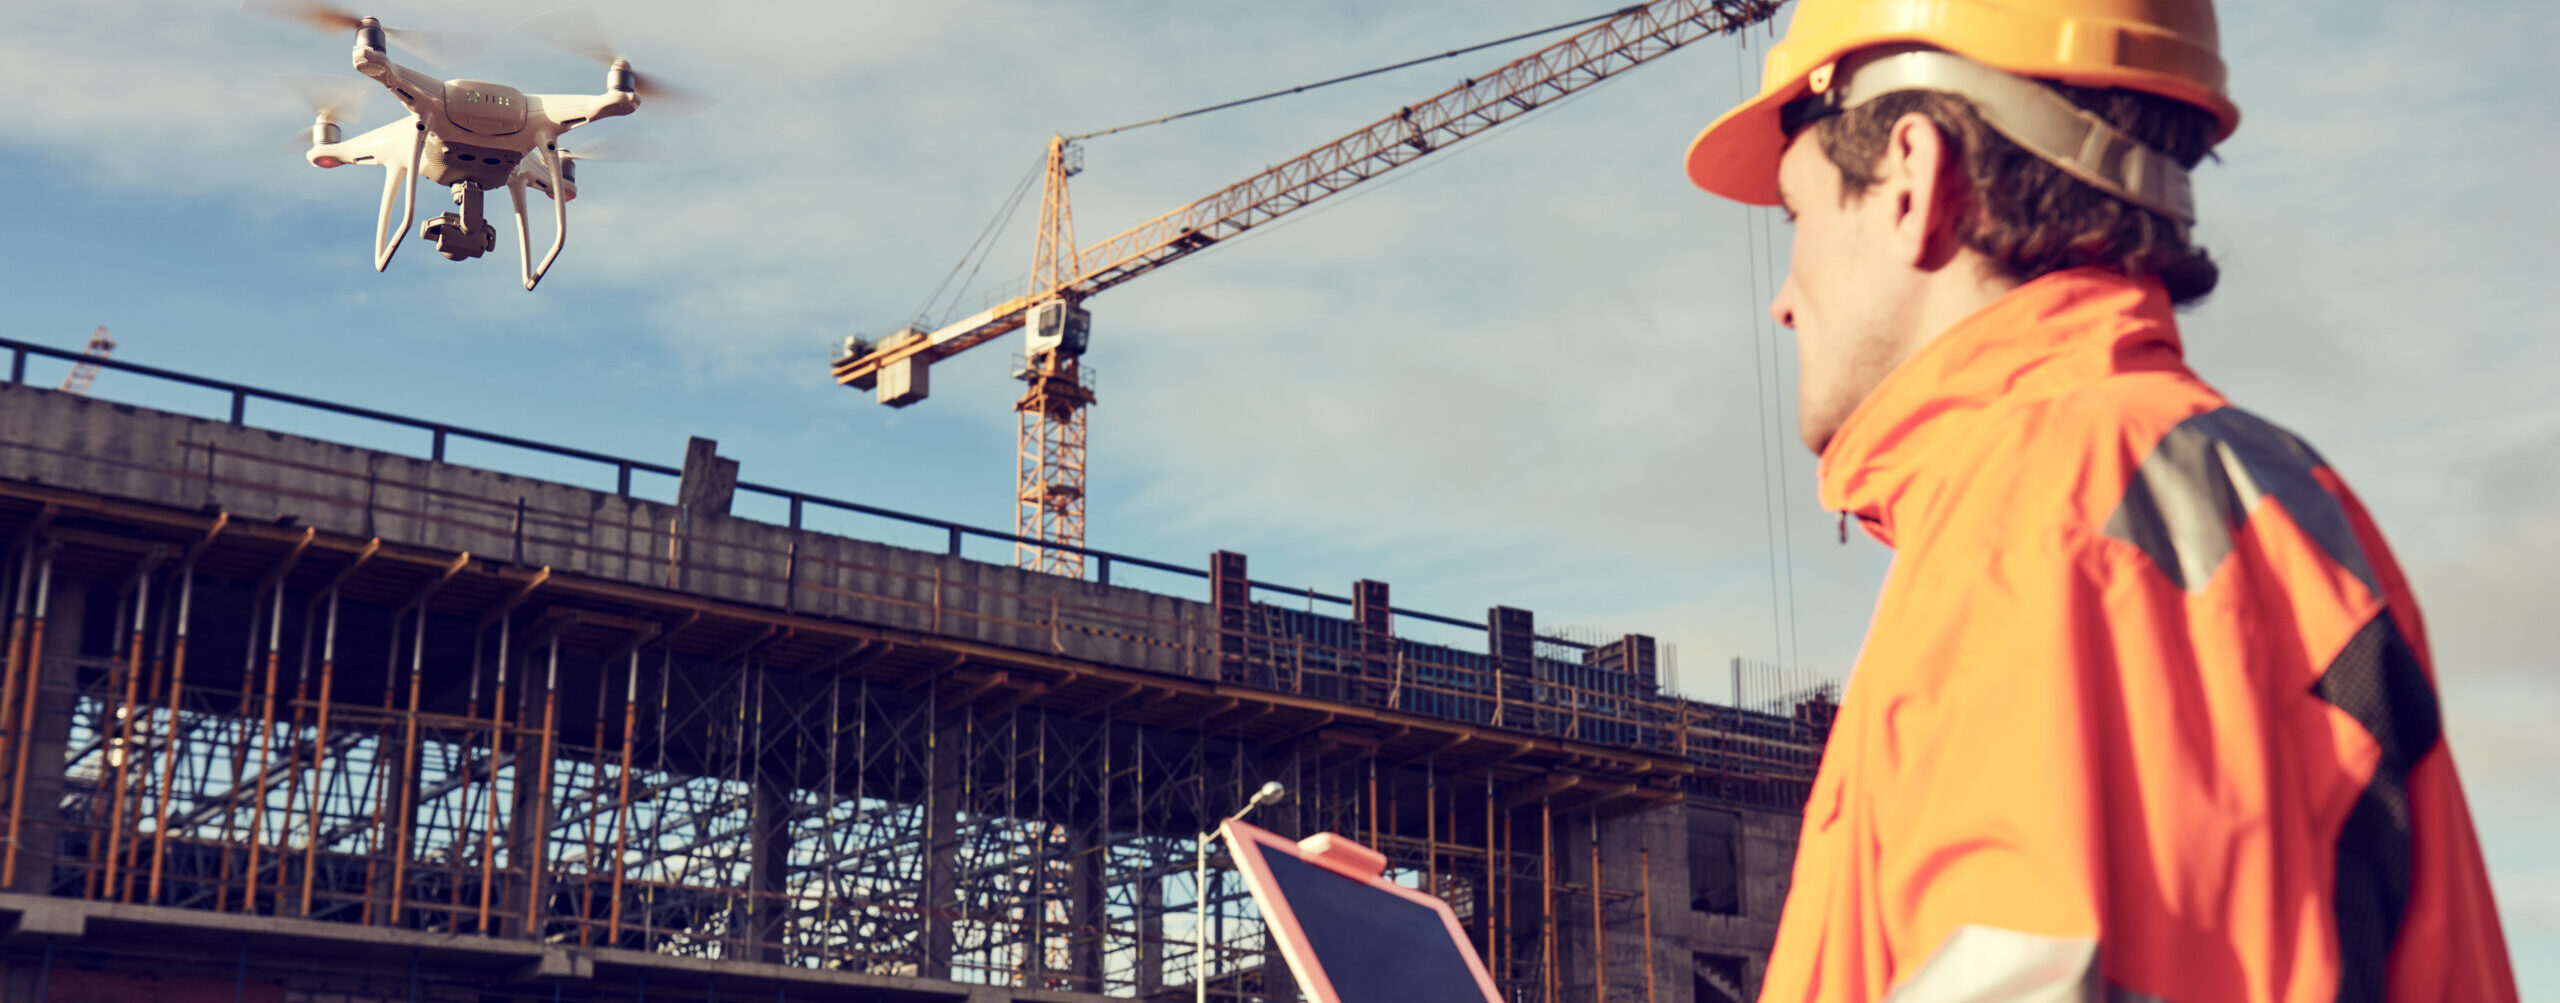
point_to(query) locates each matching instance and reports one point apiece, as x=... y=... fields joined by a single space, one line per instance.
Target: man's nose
x=1782 y=308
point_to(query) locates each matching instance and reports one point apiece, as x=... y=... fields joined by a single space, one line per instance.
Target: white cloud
x=1522 y=373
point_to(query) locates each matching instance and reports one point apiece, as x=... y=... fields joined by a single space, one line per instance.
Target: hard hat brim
x=1737 y=155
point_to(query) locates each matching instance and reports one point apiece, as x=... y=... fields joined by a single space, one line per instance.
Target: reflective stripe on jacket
x=2146 y=711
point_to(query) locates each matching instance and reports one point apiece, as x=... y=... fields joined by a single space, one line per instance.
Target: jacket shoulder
x=2060 y=467
x=2171 y=468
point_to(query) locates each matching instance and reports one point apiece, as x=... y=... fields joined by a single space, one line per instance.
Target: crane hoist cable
x=1769 y=389
x=1348 y=77
x=976 y=256
x=925 y=314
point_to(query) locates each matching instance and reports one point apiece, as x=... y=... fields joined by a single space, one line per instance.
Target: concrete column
x=703 y=493
x=57 y=690
x=1231 y=595
x=1511 y=640
x=1371 y=614
x=942 y=842
x=769 y=869
x=1089 y=847
x=1150 y=938
x=20 y=975
x=709 y=480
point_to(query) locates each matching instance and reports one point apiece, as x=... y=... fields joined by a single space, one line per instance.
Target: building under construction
x=289 y=720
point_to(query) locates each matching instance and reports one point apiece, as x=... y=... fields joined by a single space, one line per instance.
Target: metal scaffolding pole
x=23 y=736
x=407 y=784
x=497 y=735
x=1547 y=893
x=118 y=735
x=266 y=746
x=171 y=752
x=319 y=752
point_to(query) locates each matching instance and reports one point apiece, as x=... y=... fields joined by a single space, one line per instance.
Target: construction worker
x=2146 y=711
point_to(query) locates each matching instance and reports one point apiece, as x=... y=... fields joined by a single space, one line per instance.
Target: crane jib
x=1475 y=105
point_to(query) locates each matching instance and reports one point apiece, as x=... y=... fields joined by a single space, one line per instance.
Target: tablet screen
x=1376 y=946
x=1374 y=941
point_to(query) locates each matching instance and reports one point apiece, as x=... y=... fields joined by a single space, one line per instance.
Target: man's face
x=1841 y=292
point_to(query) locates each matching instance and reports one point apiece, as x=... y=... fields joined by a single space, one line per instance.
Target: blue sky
x=1531 y=371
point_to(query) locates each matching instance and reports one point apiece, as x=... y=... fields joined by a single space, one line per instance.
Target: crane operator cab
x=1349 y=934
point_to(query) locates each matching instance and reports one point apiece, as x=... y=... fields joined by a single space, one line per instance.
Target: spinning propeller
x=626 y=148
x=578 y=31
x=332 y=100
x=438 y=47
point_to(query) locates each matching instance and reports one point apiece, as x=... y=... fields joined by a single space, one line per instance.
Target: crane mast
x=1049 y=439
x=1050 y=449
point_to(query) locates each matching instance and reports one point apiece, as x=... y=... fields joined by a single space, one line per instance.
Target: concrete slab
x=260 y=475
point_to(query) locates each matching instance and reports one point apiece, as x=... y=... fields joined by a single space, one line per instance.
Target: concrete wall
x=136 y=453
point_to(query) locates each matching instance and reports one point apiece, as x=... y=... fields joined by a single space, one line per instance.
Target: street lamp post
x=1270 y=792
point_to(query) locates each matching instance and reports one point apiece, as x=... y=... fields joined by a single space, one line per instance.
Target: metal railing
x=797 y=501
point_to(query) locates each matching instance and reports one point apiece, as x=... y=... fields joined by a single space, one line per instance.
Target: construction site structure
x=291 y=720
x=1049 y=485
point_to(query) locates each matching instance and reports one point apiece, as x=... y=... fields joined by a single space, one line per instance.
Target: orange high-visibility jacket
x=2146 y=712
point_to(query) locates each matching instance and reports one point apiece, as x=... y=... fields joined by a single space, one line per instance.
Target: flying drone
x=470 y=136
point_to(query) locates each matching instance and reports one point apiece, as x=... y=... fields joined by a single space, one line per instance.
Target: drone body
x=470 y=137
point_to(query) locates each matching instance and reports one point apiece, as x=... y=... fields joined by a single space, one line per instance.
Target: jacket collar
x=2044 y=338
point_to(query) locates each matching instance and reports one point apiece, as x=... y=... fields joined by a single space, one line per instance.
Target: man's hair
x=2028 y=216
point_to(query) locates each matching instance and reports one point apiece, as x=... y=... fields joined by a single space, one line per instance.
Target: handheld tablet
x=1350 y=935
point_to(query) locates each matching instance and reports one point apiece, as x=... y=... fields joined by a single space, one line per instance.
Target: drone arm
x=613 y=103
x=569 y=111
x=410 y=86
x=559 y=215
x=385 y=242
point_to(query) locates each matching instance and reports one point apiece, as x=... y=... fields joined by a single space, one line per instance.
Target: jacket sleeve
x=1988 y=773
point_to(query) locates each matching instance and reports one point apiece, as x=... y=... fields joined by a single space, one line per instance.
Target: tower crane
x=1049 y=481
x=85 y=371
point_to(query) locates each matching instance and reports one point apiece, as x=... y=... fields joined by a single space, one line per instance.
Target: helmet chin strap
x=2031 y=115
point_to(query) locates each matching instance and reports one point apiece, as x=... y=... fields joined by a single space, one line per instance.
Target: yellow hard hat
x=2165 y=47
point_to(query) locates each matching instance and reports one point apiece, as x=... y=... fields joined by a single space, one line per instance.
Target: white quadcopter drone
x=468 y=135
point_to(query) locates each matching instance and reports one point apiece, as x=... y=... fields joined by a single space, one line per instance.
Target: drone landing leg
x=559 y=216
x=524 y=235
x=385 y=242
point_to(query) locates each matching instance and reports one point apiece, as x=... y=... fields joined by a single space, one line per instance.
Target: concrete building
x=288 y=719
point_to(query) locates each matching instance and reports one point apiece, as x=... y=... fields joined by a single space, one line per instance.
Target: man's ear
x=1923 y=199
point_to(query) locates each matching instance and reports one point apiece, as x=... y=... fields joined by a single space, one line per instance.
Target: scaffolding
x=209 y=712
